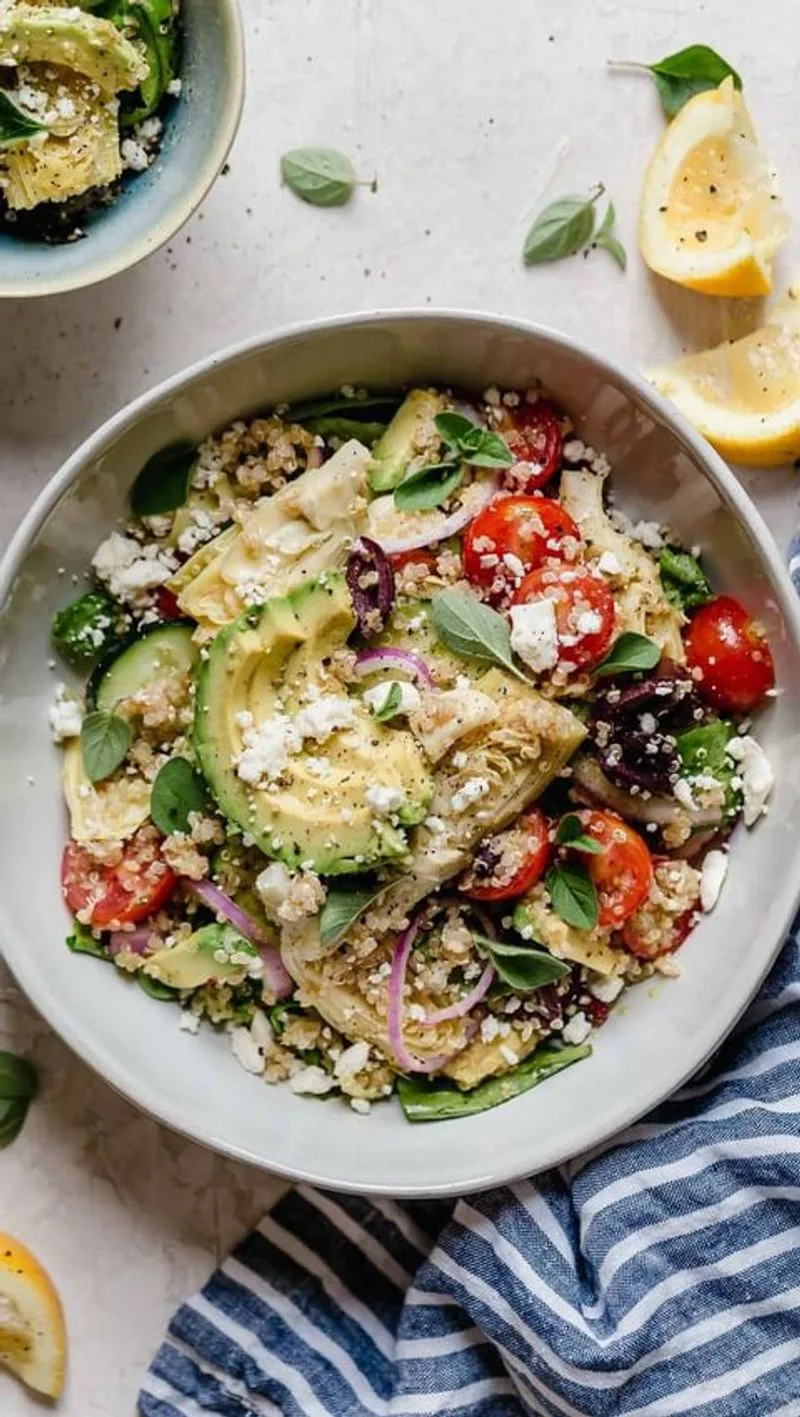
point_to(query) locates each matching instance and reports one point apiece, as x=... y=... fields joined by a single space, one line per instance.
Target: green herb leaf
x=573 y=895
x=518 y=965
x=564 y=227
x=105 y=740
x=16 y=126
x=570 y=833
x=321 y=176
x=684 y=580
x=629 y=653
x=688 y=72
x=85 y=629
x=605 y=238
x=454 y=427
x=155 y=988
x=163 y=483
x=394 y=698
x=438 y=1100
x=704 y=749
x=473 y=630
x=17 y=1077
x=368 y=407
x=12 y=1119
x=469 y=442
x=178 y=790
x=332 y=426
x=428 y=487
x=82 y=942
x=345 y=902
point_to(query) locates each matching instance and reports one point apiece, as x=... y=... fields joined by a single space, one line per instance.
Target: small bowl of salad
x=115 y=119
x=415 y=740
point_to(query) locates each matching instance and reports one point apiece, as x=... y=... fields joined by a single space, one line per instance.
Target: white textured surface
x=470 y=118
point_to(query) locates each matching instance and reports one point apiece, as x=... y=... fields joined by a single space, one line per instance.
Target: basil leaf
x=471 y=443
x=344 y=904
x=628 y=653
x=570 y=833
x=178 y=791
x=394 y=698
x=454 y=427
x=564 y=227
x=684 y=580
x=573 y=895
x=491 y=451
x=518 y=965
x=155 y=988
x=428 y=487
x=105 y=740
x=473 y=630
x=163 y=483
x=690 y=71
x=12 y=1119
x=704 y=749
x=438 y=1099
x=321 y=176
x=605 y=238
x=82 y=942
x=17 y=1077
x=16 y=126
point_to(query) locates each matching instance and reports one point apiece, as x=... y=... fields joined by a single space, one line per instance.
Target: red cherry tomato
x=167 y=605
x=584 y=611
x=121 y=894
x=420 y=557
x=732 y=655
x=536 y=439
x=527 y=844
x=623 y=874
x=529 y=530
x=680 y=928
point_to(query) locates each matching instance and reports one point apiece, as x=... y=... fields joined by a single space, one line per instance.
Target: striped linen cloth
x=657 y=1276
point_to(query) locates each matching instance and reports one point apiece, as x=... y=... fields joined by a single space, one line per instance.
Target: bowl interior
x=662 y=1032
x=199 y=130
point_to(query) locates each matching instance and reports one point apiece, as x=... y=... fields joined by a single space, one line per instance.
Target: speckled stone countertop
x=470 y=117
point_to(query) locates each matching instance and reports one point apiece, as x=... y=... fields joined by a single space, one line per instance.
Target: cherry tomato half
x=121 y=894
x=419 y=557
x=732 y=655
x=681 y=926
x=536 y=440
x=527 y=530
x=523 y=850
x=623 y=874
x=584 y=611
x=167 y=604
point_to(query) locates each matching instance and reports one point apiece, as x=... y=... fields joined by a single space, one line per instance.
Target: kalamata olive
x=634 y=728
x=370 y=580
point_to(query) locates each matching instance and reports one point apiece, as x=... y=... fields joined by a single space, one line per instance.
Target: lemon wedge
x=744 y=395
x=33 y=1339
x=710 y=215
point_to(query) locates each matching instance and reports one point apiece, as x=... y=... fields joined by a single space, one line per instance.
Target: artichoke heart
x=62 y=166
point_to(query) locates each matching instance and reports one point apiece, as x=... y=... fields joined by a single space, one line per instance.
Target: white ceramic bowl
x=661 y=1034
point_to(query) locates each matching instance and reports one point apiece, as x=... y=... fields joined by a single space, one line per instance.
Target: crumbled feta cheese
x=324 y=715
x=378 y=696
x=647 y=723
x=473 y=790
x=352 y=1061
x=312 y=1080
x=490 y=1028
x=135 y=156
x=577 y=1029
x=609 y=564
x=606 y=988
x=588 y=622
x=385 y=801
x=649 y=533
x=435 y=825
x=362 y=1105
x=175 y=88
x=508 y=1055
x=64 y=716
x=757 y=776
x=513 y=564
x=266 y=750
x=246 y=1051
x=534 y=636
x=712 y=876
x=188 y=1022
x=130 y=569
x=683 y=794
x=574 y=450
x=261 y=1030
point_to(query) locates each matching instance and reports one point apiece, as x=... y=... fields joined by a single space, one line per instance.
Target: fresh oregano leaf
x=573 y=895
x=520 y=966
x=345 y=902
x=428 y=487
x=105 y=740
x=628 y=653
x=473 y=630
x=570 y=833
x=684 y=580
x=16 y=126
x=455 y=427
x=321 y=176
x=604 y=238
x=690 y=71
x=392 y=703
x=163 y=483
x=469 y=442
x=564 y=227
x=178 y=791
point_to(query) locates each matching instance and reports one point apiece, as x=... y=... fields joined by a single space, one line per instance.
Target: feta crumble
x=266 y=751
x=756 y=773
x=473 y=790
x=188 y=1022
x=246 y=1051
x=712 y=876
x=534 y=636
x=385 y=801
x=606 y=988
x=324 y=715
x=130 y=569
x=577 y=1029
x=378 y=696
x=609 y=564
x=64 y=716
x=312 y=1080
x=352 y=1061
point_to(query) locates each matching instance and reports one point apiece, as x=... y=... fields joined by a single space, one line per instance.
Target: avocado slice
x=272 y=660
x=193 y=961
x=72 y=39
x=409 y=431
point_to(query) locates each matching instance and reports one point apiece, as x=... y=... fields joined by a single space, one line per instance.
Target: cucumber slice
x=155 y=653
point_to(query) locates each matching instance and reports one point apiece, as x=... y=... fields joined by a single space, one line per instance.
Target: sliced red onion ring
x=464 y=1005
x=444 y=529
x=275 y=972
x=134 y=940
x=314 y=458
x=372 y=602
x=403 y=1058
x=373 y=661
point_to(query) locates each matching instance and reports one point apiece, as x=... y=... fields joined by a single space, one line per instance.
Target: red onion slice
x=374 y=661
x=403 y=1058
x=275 y=972
x=450 y=526
x=464 y=1005
x=370 y=580
x=134 y=940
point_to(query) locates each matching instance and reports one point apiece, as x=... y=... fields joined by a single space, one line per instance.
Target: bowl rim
x=128 y=255
x=628 y=1109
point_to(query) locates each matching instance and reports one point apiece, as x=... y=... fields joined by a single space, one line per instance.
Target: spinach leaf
x=573 y=895
x=18 y=1086
x=628 y=653
x=155 y=988
x=178 y=791
x=85 y=629
x=337 y=426
x=82 y=942
x=345 y=902
x=473 y=630
x=163 y=483
x=438 y=1100
x=684 y=580
x=429 y=486
x=105 y=740
x=380 y=407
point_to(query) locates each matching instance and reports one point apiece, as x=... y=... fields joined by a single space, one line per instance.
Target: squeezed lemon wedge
x=710 y=215
x=744 y=395
x=33 y=1339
